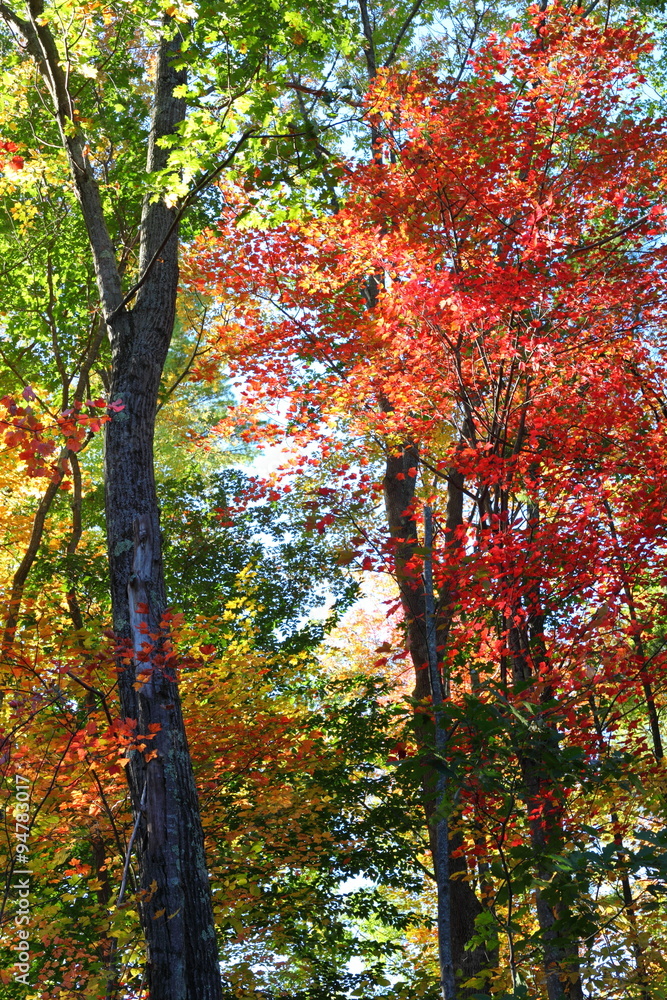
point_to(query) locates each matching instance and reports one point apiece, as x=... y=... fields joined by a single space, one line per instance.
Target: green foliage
x=291 y=573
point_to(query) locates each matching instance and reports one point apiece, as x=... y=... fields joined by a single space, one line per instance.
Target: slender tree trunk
x=441 y=821
x=534 y=746
x=29 y=556
x=626 y=888
x=175 y=896
x=176 y=907
x=41 y=514
x=561 y=962
x=399 y=496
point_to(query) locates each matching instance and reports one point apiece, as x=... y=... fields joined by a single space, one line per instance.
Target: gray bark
x=182 y=952
x=441 y=824
x=182 y=958
x=561 y=964
x=399 y=497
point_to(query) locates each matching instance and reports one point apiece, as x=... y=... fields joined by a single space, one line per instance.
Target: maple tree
x=91 y=230
x=472 y=336
x=506 y=355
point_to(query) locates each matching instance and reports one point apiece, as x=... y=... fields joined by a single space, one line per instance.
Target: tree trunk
x=541 y=796
x=399 y=496
x=441 y=820
x=175 y=896
x=176 y=907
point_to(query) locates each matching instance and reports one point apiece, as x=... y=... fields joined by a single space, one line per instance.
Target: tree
x=479 y=327
x=177 y=914
x=513 y=340
x=124 y=232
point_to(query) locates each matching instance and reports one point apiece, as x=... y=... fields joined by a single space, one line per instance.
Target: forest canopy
x=333 y=479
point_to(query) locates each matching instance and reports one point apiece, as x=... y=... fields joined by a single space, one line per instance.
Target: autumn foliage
x=490 y=304
x=472 y=339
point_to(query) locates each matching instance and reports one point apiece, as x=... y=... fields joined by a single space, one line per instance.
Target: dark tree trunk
x=175 y=895
x=399 y=496
x=543 y=802
x=176 y=907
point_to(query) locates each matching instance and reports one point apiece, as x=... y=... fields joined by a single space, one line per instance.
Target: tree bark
x=541 y=796
x=441 y=820
x=399 y=497
x=176 y=907
x=175 y=900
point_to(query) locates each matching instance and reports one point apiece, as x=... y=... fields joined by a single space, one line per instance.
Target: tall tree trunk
x=543 y=803
x=176 y=908
x=399 y=497
x=175 y=896
x=441 y=820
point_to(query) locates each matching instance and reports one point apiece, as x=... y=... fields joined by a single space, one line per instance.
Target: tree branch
x=94 y=691
x=399 y=37
x=369 y=48
x=128 y=854
x=205 y=181
x=41 y=45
